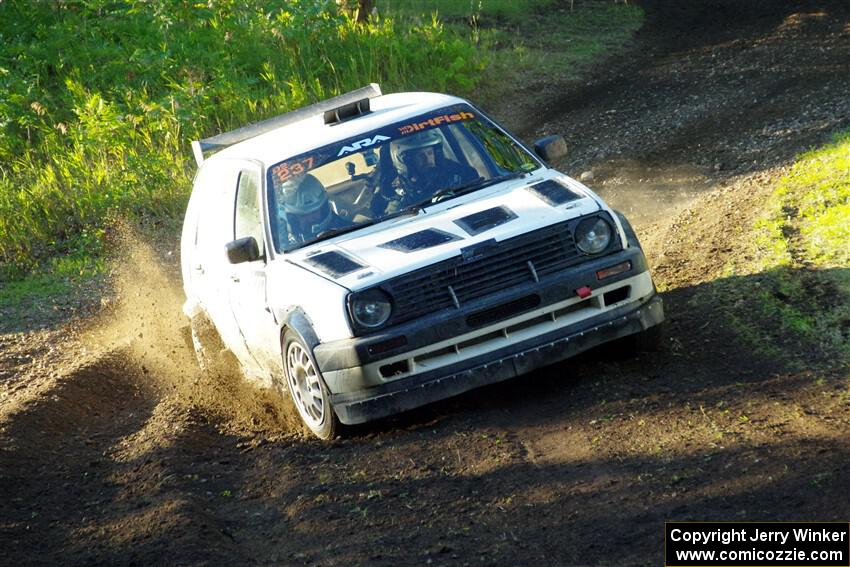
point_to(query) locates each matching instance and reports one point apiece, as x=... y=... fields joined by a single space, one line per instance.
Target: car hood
x=364 y=258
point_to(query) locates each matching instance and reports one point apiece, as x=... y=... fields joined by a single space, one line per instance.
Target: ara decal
x=360 y=144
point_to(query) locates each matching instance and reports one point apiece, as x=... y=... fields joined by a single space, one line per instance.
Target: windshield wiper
x=346 y=229
x=475 y=185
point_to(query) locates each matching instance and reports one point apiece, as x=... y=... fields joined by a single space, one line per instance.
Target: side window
x=247 y=220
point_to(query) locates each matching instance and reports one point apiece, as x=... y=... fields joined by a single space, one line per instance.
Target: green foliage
x=815 y=202
x=808 y=217
x=577 y=37
x=99 y=100
x=62 y=279
x=472 y=9
x=532 y=42
x=548 y=42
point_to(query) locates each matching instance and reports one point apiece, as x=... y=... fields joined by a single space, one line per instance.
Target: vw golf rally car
x=373 y=253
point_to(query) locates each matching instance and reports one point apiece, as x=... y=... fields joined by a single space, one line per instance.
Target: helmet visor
x=421 y=158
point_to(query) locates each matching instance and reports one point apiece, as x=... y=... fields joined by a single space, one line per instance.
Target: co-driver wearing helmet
x=306 y=209
x=422 y=168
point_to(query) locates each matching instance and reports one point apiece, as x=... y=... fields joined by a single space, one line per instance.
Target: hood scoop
x=420 y=240
x=333 y=263
x=553 y=192
x=485 y=220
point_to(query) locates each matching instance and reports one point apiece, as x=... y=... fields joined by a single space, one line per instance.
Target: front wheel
x=307 y=387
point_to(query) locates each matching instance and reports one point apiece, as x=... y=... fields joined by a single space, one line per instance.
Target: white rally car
x=373 y=253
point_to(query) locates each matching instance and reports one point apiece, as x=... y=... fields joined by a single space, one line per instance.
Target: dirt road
x=114 y=449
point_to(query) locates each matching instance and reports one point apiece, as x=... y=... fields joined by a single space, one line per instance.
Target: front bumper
x=495 y=366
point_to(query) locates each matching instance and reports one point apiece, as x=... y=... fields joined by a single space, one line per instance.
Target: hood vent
x=334 y=264
x=485 y=220
x=553 y=192
x=420 y=240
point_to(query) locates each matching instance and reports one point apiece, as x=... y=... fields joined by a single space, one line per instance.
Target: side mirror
x=242 y=250
x=551 y=147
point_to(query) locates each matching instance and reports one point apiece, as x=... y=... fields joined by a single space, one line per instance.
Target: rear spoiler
x=335 y=109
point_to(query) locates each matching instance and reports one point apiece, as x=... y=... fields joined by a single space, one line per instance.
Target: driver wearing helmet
x=307 y=210
x=422 y=168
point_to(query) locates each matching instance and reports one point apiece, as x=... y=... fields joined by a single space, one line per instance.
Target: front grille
x=454 y=282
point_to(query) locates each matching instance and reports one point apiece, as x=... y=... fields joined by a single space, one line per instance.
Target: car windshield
x=393 y=170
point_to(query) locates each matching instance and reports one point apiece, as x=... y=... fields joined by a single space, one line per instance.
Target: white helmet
x=403 y=148
x=306 y=205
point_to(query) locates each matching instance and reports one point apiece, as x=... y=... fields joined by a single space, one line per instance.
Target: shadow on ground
x=581 y=463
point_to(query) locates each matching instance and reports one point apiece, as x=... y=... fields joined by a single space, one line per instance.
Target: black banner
x=757 y=544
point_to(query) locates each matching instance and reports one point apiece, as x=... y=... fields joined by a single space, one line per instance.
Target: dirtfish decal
x=364 y=143
x=435 y=121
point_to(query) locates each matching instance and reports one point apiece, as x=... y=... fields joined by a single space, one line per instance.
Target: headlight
x=371 y=308
x=593 y=235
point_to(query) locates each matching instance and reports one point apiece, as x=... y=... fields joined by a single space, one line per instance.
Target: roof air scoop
x=347 y=111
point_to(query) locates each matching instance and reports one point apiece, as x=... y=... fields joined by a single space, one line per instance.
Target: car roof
x=294 y=139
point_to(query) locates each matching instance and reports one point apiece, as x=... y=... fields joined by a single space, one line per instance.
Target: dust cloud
x=143 y=329
x=647 y=194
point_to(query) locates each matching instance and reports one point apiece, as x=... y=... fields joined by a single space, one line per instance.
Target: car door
x=248 y=280
x=209 y=266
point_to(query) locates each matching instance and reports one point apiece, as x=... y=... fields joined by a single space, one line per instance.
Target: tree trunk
x=360 y=10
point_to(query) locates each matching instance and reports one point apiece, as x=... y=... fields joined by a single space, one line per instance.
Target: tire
x=307 y=387
x=207 y=344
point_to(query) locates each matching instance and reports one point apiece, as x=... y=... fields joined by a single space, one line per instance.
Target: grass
x=562 y=43
x=792 y=301
x=808 y=219
x=62 y=283
x=533 y=43
x=99 y=100
x=550 y=44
